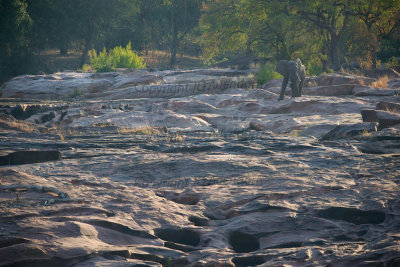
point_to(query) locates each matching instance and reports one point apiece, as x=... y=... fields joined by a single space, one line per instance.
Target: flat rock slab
x=339 y=79
x=348 y=131
x=207 y=179
x=331 y=90
x=372 y=91
x=388 y=106
x=121 y=85
x=387 y=119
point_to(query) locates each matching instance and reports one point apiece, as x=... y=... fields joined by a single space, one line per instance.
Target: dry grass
x=59 y=133
x=365 y=133
x=392 y=110
x=382 y=82
x=295 y=133
x=55 y=62
x=160 y=59
x=103 y=124
x=27 y=127
x=175 y=137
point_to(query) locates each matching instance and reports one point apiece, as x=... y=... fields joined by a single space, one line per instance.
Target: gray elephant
x=293 y=71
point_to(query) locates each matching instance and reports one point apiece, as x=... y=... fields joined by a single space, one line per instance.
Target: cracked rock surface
x=230 y=178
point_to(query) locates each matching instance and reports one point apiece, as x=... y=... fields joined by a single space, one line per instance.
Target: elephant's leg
x=283 y=89
x=301 y=86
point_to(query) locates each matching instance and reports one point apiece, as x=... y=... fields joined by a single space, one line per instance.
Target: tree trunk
x=334 y=53
x=373 y=52
x=324 y=65
x=174 y=45
x=88 y=44
x=63 y=49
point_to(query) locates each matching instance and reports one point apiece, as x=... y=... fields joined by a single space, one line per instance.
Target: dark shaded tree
x=15 y=24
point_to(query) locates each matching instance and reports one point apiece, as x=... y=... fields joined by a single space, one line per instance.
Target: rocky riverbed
x=198 y=168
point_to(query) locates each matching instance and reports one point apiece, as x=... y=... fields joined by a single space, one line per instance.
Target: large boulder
x=51 y=86
x=369 y=115
x=388 y=106
x=348 y=131
x=331 y=90
x=387 y=119
x=340 y=78
x=125 y=84
x=318 y=130
x=384 y=118
x=273 y=83
x=372 y=91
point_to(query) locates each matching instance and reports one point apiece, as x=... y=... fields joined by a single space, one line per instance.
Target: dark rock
x=213 y=264
x=388 y=106
x=318 y=130
x=12 y=241
x=243 y=243
x=253 y=260
x=338 y=79
x=387 y=119
x=385 y=147
x=5 y=109
x=257 y=126
x=198 y=221
x=187 y=197
x=22 y=112
x=28 y=157
x=47 y=117
x=369 y=115
x=372 y=91
x=346 y=131
x=180 y=247
x=121 y=228
x=181 y=236
x=352 y=215
x=7 y=117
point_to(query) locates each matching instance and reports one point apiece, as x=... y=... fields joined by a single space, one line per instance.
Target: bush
x=392 y=62
x=267 y=73
x=314 y=69
x=117 y=57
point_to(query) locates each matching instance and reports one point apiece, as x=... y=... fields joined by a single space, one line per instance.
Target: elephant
x=293 y=71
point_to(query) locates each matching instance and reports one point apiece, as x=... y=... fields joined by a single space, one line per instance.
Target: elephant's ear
x=298 y=64
x=281 y=67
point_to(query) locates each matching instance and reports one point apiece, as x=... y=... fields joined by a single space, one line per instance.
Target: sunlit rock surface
x=223 y=177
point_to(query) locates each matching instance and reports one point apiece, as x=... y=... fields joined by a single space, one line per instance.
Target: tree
x=331 y=18
x=55 y=24
x=169 y=21
x=99 y=19
x=224 y=30
x=381 y=18
x=15 y=23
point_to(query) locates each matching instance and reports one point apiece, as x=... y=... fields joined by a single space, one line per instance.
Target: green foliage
x=392 y=62
x=314 y=69
x=15 y=24
x=118 y=57
x=323 y=34
x=267 y=73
